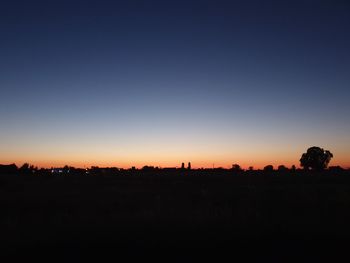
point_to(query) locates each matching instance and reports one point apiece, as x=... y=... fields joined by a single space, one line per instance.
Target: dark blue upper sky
x=137 y=76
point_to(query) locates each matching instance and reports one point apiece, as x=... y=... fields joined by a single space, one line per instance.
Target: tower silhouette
x=183 y=166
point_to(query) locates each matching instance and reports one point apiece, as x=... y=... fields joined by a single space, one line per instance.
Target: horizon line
x=139 y=167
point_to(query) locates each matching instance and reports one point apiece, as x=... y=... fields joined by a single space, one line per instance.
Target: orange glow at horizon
x=168 y=151
x=163 y=164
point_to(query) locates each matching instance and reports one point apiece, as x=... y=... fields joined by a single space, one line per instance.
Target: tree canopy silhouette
x=315 y=158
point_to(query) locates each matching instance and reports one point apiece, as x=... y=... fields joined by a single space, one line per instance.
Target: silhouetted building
x=189 y=166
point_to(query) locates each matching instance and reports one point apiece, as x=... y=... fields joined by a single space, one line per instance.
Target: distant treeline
x=236 y=170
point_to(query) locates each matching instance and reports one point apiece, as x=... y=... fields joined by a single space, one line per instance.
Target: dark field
x=183 y=219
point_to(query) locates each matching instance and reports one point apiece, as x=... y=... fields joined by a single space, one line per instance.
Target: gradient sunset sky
x=133 y=83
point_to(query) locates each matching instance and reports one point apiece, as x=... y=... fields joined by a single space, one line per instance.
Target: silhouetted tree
x=282 y=168
x=27 y=169
x=268 y=168
x=24 y=167
x=148 y=168
x=315 y=158
x=236 y=168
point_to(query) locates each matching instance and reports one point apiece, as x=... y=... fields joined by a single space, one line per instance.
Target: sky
x=133 y=83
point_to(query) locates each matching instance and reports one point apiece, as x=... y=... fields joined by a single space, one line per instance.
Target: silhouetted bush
x=8 y=169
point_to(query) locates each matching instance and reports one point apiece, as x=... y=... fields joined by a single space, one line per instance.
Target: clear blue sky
x=127 y=83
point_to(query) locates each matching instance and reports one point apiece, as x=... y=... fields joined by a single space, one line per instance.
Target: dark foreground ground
x=176 y=219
